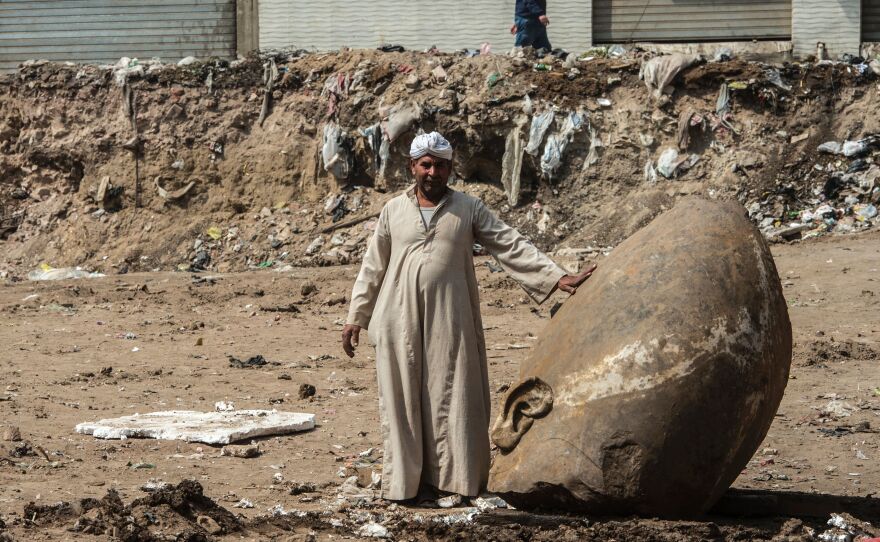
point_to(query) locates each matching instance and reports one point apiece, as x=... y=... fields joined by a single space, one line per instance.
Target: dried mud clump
x=181 y=513
x=820 y=352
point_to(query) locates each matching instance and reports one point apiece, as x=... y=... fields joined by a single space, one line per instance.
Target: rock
x=308 y=288
x=651 y=389
x=306 y=391
x=208 y=524
x=335 y=299
x=12 y=434
x=244 y=452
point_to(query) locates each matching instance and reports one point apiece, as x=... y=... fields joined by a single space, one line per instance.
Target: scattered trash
x=837 y=409
x=214 y=233
x=511 y=162
x=449 y=501
x=659 y=72
x=306 y=391
x=391 y=48
x=315 y=245
x=224 y=406
x=540 y=124
x=206 y=427
x=243 y=503
x=253 y=361
x=670 y=163
x=335 y=151
x=47 y=272
x=175 y=194
x=775 y=78
x=489 y=502
x=557 y=143
x=723 y=54
x=373 y=530
x=722 y=105
x=595 y=146
x=844 y=529
x=398 y=120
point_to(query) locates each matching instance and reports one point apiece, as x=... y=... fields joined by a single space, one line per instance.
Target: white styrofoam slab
x=193 y=426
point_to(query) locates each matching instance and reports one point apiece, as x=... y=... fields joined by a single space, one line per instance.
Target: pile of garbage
x=285 y=158
x=840 y=195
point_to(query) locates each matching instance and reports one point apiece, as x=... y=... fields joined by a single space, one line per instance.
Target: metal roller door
x=871 y=20
x=102 y=31
x=450 y=25
x=621 y=21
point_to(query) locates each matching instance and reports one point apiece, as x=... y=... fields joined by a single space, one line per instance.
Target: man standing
x=417 y=294
x=530 y=24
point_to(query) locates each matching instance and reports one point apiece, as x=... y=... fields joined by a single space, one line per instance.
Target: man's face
x=431 y=174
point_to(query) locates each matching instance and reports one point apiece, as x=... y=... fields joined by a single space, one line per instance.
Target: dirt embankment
x=230 y=173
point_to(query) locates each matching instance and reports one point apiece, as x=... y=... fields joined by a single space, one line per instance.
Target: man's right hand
x=513 y=28
x=350 y=336
x=544 y=20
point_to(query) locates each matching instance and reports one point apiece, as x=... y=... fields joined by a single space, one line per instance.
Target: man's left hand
x=570 y=283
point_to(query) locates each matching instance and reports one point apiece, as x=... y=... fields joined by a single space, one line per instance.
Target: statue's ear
x=530 y=399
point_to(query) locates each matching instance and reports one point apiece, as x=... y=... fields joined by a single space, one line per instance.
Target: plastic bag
x=400 y=119
x=49 y=273
x=511 y=162
x=337 y=159
x=373 y=135
x=670 y=162
x=659 y=72
x=855 y=148
x=556 y=143
x=830 y=147
x=595 y=145
x=540 y=124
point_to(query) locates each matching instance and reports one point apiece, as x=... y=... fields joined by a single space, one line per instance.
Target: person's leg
x=523 y=35
x=541 y=41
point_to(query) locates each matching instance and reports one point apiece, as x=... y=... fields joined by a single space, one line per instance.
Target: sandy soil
x=167 y=339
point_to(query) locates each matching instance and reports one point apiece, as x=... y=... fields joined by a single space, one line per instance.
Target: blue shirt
x=530 y=8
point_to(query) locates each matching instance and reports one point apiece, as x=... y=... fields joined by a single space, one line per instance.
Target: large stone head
x=652 y=387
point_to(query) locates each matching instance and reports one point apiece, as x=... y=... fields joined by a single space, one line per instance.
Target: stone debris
x=194 y=426
x=374 y=530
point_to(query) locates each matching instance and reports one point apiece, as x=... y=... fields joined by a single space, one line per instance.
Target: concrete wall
x=450 y=25
x=837 y=23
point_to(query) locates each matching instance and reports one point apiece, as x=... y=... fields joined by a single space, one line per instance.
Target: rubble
x=224 y=141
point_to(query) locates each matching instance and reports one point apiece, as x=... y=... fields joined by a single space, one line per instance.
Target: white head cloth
x=433 y=144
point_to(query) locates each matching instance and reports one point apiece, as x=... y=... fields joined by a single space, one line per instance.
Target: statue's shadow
x=744 y=507
x=770 y=503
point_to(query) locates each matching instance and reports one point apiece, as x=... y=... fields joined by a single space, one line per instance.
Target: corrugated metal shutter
x=871 y=20
x=836 y=24
x=102 y=31
x=450 y=25
x=621 y=21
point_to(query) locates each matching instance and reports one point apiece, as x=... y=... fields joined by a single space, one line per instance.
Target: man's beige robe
x=417 y=295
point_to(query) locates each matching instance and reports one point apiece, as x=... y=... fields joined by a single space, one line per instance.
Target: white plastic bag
x=540 y=124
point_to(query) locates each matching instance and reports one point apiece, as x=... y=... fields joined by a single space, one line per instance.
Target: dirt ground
x=82 y=350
